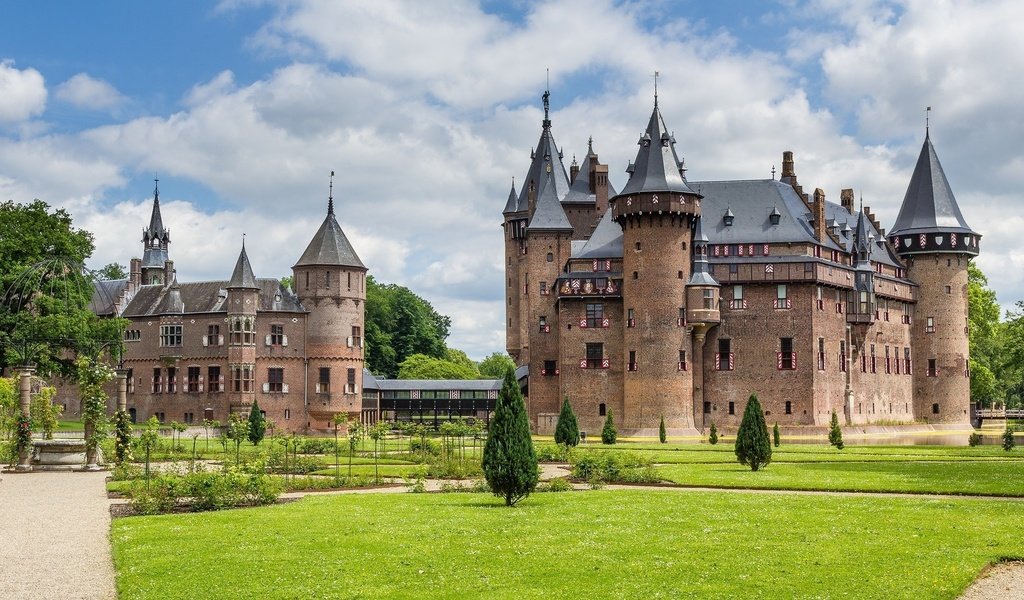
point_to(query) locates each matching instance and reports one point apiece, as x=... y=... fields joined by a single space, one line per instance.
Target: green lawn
x=604 y=544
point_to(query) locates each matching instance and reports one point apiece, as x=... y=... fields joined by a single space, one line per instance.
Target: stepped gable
x=579 y=190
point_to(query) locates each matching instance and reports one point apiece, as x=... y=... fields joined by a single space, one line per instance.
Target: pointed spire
x=657 y=167
x=242 y=277
x=701 y=272
x=548 y=214
x=330 y=196
x=156 y=223
x=512 y=202
x=546 y=167
x=861 y=239
x=330 y=247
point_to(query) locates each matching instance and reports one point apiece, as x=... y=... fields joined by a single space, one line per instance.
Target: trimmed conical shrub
x=567 y=431
x=713 y=435
x=510 y=463
x=1008 y=441
x=753 y=448
x=257 y=424
x=835 y=434
x=662 y=436
x=608 y=434
x=775 y=435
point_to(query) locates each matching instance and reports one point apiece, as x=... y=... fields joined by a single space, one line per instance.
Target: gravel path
x=55 y=544
x=1004 y=581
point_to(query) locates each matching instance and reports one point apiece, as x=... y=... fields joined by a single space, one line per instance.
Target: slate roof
x=242 y=277
x=579 y=190
x=513 y=202
x=546 y=159
x=210 y=297
x=156 y=222
x=929 y=205
x=700 y=274
x=330 y=247
x=656 y=168
x=605 y=242
x=548 y=214
x=371 y=382
x=105 y=294
x=171 y=302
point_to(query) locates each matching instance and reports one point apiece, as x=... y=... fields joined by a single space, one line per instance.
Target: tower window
x=786 y=358
x=350 y=385
x=550 y=368
x=323 y=385
x=550 y=257
x=327 y=280
x=949 y=289
x=349 y=281
x=929 y=326
x=595 y=315
x=732 y=408
x=789 y=407
x=632 y=361
x=638 y=246
x=307 y=280
x=602 y=409
x=595 y=355
x=933 y=369
x=276 y=335
x=636 y=275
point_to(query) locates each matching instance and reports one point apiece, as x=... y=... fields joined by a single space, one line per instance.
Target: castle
x=677 y=299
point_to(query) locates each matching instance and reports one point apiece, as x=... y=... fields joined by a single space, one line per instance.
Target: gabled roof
x=330 y=247
x=512 y=203
x=105 y=295
x=548 y=215
x=242 y=277
x=656 y=168
x=605 y=242
x=210 y=297
x=929 y=204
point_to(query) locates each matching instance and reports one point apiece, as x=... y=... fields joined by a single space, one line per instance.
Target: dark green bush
x=612 y=467
x=752 y=445
x=974 y=439
x=315 y=446
x=713 y=435
x=417 y=445
x=608 y=433
x=552 y=453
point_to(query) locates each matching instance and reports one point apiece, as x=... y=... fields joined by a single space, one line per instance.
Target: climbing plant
x=92 y=375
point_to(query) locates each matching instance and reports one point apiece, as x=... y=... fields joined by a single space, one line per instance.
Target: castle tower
x=656 y=210
x=546 y=170
x=702 y=313
x=330 y=281
x=155 y=241
x=931 y=236
x=243 y=298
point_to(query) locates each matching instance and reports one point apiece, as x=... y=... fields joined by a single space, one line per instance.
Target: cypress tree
x=567 y=431
x=608 y=434
x=835 y=434
x=1008 y=441
x=753 y=447
x=661 y=431
x=713 y=436
x=510 y=463
x=257 y=424
x=775 y=435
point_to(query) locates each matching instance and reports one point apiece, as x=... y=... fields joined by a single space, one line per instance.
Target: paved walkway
x=56 y=537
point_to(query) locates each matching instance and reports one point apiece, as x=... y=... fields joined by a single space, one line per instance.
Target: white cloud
x=22 y=93
x=83 y=91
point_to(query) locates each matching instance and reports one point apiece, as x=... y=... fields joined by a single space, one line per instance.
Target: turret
x=932 y=237
x=156 y=240
x=242 y=301
x=702 y=290
x=861 y=305
x=656 y=210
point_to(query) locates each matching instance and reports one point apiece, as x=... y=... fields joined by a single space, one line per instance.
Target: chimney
x=168 y=272
x=599 y=185
x=788 y=172
x=846 y=199
x=531 y=198
x=819 y=215
x=574 y=170
x=135 y=274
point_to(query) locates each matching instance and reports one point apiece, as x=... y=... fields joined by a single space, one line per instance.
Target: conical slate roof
x=546 y=168
x=929 y=205
x=700 y=275
x=656 y=168
x=330 y=247
x=512 y=204
x=548 y=215
x=861 y=242
x=156 y=221
x=242 y=277
x=606 y=241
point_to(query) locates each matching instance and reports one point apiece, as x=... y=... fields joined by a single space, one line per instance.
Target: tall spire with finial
x=656 y=89
x=927 y=114
x=330 y=196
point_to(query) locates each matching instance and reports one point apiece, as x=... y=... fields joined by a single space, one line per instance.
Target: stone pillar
x=25 y=458
x=122 y=389
x=697 y=366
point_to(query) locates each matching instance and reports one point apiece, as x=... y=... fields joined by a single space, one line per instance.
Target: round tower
x=656 y=210
x=936 y=243
x=330 y=282
x=242 y=302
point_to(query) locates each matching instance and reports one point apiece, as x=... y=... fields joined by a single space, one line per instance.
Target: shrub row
x=612 y=467
x=200 y=491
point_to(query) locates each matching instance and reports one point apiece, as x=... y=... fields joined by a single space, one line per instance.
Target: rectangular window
x=789 y=407
x=786 y=360
x=631 y=366
x=194 y=380
x=820 y=299
x=872 y=358
x=842 y=356
x=737 y=302
x=732 y=408
x=821 y=354
x=929 y=326
x=130 y=381
x=906 y=361
x=550 y=368
x=172 y=380
x=242 y=378
x=709 y=299
x=630 y=318
x=170 y=336
x=888 y=368
x=544 y=327
x=933 y=369
x=724 y=360
x=357 y=336
x=216 y=379
x=350 y=381
x=275 y=380
x=543 y=288
x=682 y=360
x=157 y=382
x=213 y=335
x=323 y=385
x=276 y=335
x=595 y=356
x=595 y=315
x=782 y=300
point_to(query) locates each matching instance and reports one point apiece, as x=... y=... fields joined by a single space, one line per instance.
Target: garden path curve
x=56 y=536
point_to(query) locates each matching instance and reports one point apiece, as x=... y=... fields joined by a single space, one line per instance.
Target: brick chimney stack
x=846 y=199
x=818 y=210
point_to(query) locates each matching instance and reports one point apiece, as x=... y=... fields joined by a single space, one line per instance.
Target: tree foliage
x=1008 y=441
x=567 y=430
x=495 y=365
x=400 y=324
x=421 y=366
x=45 y=414
x=608 y=433
x=257 y=424
x=753 y=447
x=713 y=435
x=45 y=292
x=835 y=433
x=112 y=271
x=775 y=435
x=509 y=461
x=662 y=434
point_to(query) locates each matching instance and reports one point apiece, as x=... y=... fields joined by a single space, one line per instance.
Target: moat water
x=988 y=438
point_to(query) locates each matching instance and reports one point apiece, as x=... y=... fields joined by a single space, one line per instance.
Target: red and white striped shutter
x=741 y=249
x=750 y=250
x=718 y=361
x=583 y=363
x=605 y=363
x=732 y=363
x=583 y=323
x=607 y=265
x=605 y=323
x=793 y=355
x=717 y=251
x=764 y=250
x=779 y=360
x=596 y=264
x=492 y=394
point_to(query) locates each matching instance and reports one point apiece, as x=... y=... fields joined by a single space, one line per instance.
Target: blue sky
x=425 y=113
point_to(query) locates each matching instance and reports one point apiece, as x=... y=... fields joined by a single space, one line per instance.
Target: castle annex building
x=207 y=349
x=678 y=298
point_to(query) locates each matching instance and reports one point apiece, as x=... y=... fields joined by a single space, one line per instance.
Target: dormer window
x=728 y=218
x=775 y=216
